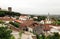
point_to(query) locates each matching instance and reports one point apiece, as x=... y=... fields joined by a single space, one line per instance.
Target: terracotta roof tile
x=47 y=27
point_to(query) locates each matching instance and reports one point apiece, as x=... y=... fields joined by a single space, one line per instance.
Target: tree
x=12 y=37
x=54 y=36
x=32 y=16
x=20 y=34
x=42 y=36
x=5 y=33
x=15 y=24
x=40 y=18
x=56 y=23
x=4 y=13
x=1 y=21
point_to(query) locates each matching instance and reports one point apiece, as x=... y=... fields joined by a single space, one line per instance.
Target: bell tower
x=10 y=9
x=48 y=17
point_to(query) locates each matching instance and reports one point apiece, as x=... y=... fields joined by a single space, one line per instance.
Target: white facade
x=3 y=25
x=35 y=17
x=55 y=29
x=24 y=17
x=48 y=22
x=7 y=21
x=30 y=29
x=42 y=22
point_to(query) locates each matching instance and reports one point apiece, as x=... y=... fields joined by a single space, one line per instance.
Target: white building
x=55 y=29
x=24 y=17
x=47 y=20
x=35 y=17
x=30 y=29
x=42 y=22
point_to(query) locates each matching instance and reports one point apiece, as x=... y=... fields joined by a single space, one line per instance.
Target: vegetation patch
x=15 y=24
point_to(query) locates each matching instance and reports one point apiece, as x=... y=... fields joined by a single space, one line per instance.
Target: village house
x=35 y=17
x=24 y=17
x=32 y=26
x=38 y=29
x=49 y=29
x=55 y=29
x=46 y=27
x=48 y=20
x=6 y=19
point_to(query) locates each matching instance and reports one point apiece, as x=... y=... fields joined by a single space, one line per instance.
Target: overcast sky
x=32 y=6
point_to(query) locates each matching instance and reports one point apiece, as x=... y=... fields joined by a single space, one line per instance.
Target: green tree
x=4 y=13
x=56 y=36
x=20 y=34
x=56 y=23
x=42 y=36
x=40 y=18
x=15 y=24
x=1 y=21
x=12 y=37
x=5 y=33
x=32 y=16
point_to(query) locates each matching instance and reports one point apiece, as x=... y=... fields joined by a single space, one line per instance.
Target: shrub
x=5 y=33
x=55 y=36
x=15 y=24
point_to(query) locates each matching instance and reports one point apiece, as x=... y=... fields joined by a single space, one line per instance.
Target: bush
x=1 y=21
x=5 y=33
x=55 y=36
x=12 y=37
x=20 y=34
x=15 y=24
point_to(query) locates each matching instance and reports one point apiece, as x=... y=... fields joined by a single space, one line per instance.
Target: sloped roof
x=46 y=27
x=27 y=23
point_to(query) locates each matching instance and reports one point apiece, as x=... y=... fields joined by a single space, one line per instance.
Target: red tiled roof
x=6 y=18
x=27 y=22
x=46 y=27
x=19 y=21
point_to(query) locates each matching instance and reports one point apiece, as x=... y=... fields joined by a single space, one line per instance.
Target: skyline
x=32 y=6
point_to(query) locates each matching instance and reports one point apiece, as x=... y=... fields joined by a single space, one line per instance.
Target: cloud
x=32 y=6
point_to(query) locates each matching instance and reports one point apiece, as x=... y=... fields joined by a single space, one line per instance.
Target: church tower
x=10 y=9
x=48 y=17
x=48 y=21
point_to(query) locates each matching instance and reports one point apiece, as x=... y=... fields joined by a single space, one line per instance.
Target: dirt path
x=25 y=35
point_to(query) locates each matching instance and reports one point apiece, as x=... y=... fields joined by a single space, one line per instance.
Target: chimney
x=10 y=9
